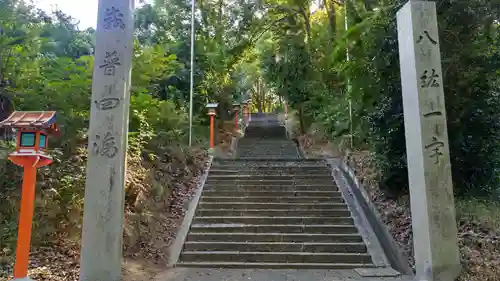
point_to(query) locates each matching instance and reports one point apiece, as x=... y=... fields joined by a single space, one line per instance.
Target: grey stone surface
x=176 y=248
x=377 y=272
x=360 y=220
x=429 y=173
x=393 y=253
x=305 y=233
x=102 y=232
x=196 y=274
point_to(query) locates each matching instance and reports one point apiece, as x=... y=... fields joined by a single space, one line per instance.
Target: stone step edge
x=336 y=192
x=237 y=197
x=234 y=225
x=269 y=197
x=259 y=159
x=270 y=265
x=287 y=179
x=275 y=210
x=333 y=204
x=273 y=234
x=271 y=217
x=266 y=167
x=325 y=175
x=279 y=243
x=274 y=253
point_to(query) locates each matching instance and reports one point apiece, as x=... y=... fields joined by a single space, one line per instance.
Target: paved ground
x=209 y=274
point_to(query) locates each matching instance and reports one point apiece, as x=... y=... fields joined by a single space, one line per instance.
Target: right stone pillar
x=429 y=171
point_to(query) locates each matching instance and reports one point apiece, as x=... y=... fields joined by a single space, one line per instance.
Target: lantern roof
x=212 y=105
x=31 y=119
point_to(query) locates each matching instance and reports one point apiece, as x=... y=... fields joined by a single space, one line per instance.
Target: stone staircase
x=270 y=209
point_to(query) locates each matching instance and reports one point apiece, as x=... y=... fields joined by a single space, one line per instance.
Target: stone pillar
x=101 y=253
x=429 y=170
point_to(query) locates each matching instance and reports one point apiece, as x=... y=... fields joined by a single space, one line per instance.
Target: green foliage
x=471 y=92
x=46 y=64
x=303 y=58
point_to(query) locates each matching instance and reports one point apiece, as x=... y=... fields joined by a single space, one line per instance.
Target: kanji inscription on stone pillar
x=428 y=156
x=101 y=254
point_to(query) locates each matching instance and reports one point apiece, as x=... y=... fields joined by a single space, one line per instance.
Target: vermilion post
x=212 y=131
x=25 y=222
x=245 y=113
x=236 y=109
x=236 y=118
x=212 y=113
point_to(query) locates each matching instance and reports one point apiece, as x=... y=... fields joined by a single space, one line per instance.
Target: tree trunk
x=330 y=9
x=301 y=119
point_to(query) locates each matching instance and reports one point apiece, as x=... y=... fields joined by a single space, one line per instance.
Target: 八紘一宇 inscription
x=429 y=79
x=435 y=149
x=426 y=35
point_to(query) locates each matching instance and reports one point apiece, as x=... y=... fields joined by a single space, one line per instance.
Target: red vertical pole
x=25 y=222
x=236 y=121
x=211 y=131
x=245 y=110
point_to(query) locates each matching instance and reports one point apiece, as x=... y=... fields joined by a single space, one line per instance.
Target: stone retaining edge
x=392 y=251
x=176 y=248
x=358 y=214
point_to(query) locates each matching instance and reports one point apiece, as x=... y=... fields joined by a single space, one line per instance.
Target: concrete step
x=271 y=151
x=266 y=172
x=273 y=237
x=262 y=144
x=262 y=265
x=293 y=257
x=290 y=165
x=269 y=157
x=242 y=176
x=288 y=199
x=278 y=148
x=269 y=186
x=251 y=173
x=259 y=148
x=273 y=212
x=276 y=247
x=266 y=228
x=274 y=193
x=261 y=141
x=272 y=162
x=256 y=167
x=262 y=180
x=248 y=204
x=281 y=188
x=273 y=220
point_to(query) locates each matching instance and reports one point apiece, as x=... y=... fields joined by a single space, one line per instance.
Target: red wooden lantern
x=33 y=129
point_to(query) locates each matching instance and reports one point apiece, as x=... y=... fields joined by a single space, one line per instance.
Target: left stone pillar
x=101 y=252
